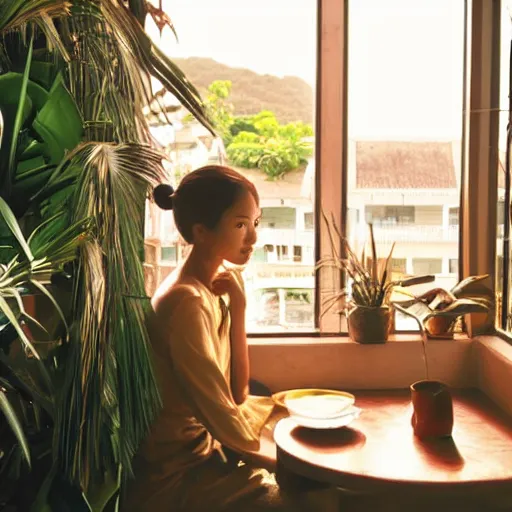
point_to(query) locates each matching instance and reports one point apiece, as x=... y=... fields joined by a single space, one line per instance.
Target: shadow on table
x=440 y=452
x=332 y=438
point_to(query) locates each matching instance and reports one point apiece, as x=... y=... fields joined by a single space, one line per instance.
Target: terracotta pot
x=369 y=325
x=433 y=409
x=440 y=326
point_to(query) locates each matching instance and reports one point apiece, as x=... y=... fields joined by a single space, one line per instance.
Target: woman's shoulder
x=175 y=292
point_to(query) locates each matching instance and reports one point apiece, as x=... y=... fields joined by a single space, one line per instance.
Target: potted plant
x=438 y=310
x=368 y=292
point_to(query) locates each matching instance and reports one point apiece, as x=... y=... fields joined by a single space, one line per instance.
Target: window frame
x=480 y=135
x=479 y=139
x=480 y=132
x=480 y=151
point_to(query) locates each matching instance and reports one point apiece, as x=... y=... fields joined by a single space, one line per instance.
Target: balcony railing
x=271 y=236
x=416 y=233
x=383 y=233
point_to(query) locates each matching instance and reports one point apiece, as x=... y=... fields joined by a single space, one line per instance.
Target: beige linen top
x=192 y=364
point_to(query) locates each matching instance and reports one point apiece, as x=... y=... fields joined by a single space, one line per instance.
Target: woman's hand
x=226 y=283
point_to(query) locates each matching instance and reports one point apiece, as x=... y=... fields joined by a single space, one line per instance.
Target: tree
x=258 y=141
x=219 y=109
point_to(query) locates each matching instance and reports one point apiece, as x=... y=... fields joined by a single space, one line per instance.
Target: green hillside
x=290 y=98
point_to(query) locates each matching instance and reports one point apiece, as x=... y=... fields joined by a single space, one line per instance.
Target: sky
x=405 y=56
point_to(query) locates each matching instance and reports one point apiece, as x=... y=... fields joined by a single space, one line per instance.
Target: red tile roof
x=405 y=165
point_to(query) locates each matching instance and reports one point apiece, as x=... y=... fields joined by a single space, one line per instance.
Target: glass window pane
x=503 y=318
x=278 y=218
x=406 y=60
x=426 y=266
x=254 y=64
x=169 y=254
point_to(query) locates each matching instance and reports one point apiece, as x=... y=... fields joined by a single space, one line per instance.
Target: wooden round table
x=378 y=452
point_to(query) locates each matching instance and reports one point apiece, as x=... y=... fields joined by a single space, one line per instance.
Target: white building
x=408 y=190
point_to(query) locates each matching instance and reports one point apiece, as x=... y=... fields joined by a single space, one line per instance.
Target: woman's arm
x=188 y=329
x=240 y=372
x=239 y=354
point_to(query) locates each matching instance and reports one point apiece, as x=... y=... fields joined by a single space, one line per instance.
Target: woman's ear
x=199 y=233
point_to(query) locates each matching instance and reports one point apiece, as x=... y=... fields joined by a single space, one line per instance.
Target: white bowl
x=316 y=404
x=347 y=417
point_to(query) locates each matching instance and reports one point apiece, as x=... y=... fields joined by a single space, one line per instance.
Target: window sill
x=494 y=369
x=339 y=362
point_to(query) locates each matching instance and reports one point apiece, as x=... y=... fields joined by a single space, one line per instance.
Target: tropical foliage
x=258 y=141
x=76 y=164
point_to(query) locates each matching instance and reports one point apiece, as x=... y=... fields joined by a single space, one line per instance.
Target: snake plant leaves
x=12 y=224
x=14 y=423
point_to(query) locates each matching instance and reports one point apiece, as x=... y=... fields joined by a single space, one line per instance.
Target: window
x=453 y=216
x=398 y=267
x=260 y=91
x=297 y=253
x=282 y=252
x=309 y=221
x=427 y=266
x=169 y=254
x=503 y=267
x=389 y=215
x=277 y=218
x=404 y=146
x=387 y=136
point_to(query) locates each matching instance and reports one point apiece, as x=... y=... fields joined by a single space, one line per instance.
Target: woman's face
x=234 y=237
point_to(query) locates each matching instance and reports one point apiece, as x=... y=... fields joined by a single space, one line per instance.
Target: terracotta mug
x=433 y=409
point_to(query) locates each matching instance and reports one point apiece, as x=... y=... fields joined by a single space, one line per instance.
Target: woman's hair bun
x=162 y=194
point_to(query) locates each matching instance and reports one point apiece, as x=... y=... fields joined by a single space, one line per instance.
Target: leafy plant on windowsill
x=370 y=286
x=437 y=310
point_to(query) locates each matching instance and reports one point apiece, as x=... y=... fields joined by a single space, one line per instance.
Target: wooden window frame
x=477 y=240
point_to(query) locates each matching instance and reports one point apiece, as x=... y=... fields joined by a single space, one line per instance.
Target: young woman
x=201 y=360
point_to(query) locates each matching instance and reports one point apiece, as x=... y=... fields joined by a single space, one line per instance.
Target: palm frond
x=110 y=337
x=16 y=13
x=53 y=39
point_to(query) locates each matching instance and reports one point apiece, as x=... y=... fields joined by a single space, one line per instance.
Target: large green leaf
x=32 y=150
x=11 y=84
x=43 y=73
x=19 y=156
x=59 y=123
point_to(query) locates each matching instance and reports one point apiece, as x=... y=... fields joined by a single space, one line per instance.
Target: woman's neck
x=201 y=266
